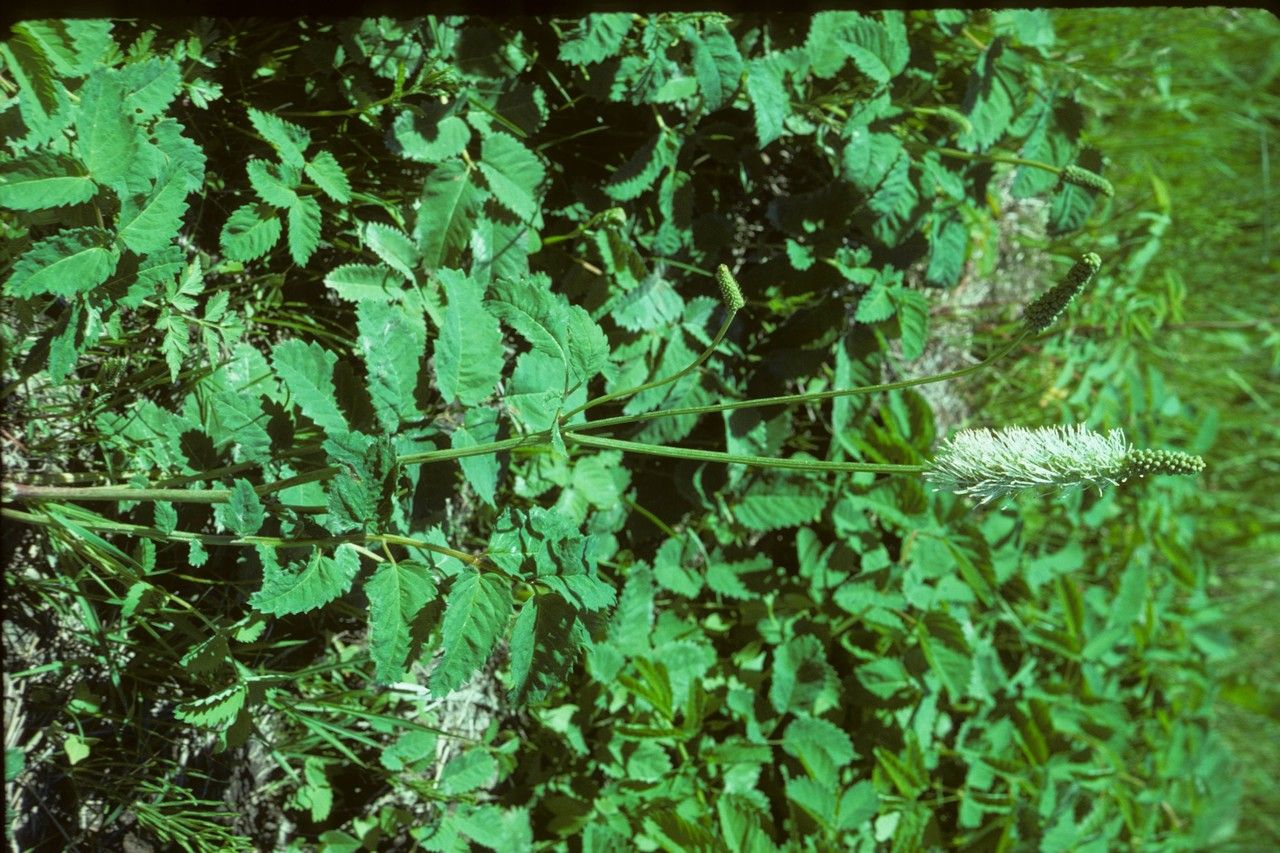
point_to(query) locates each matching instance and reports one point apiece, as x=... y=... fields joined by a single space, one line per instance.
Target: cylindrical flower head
x=1041 y=313
x=989 y=464
x=729 y=290
x=1079 y=177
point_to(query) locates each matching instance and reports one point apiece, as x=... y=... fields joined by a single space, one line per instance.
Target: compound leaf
x=328 y=175
x=287 y=138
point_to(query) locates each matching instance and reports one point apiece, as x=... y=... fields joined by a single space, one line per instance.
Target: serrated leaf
x=948 y=245
x=43 y=180
x=777 y=503
x=1069 y=209
x=250 y=232
x=468 y=359
x=528 y=306
x=396 y=592
x=514 y=174
x=307 y=371
x=802 y=679
x=913 y=321
x=150 y=86
x=430 y=144
x=289 y=140
x=105 y=137
x=304 y=229
x=217 y=711
x=989 y=99
x=73 y=261
x=481 y=427
x=725 y=576
x=392 y=341
x=297 y=589
x=545 y=643
x=476 y=612
x=392 y=247
x=361 y=282
x=446 y=211
x=769 y=100
x=328 y=175
x=182 y=152
x=597 y=38
x=718 y=66
x=874 y=306
x=243 y=514
x=643 y=168
x=148 y=223
x=274 y=184
x=821 y=746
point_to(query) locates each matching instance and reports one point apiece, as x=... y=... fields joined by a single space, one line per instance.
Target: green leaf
x=468 y=359
x=446 y=210
x=250 y=232
x=768 y=98
x=821 y=746
x=545 y=642
x=802 y=678
x=307 y=371
x=150 y=222
x=725 y=577
x=43 y=180
x=217 y=711
x=365 y=282
x=243 y=514
x=105 y=137
x=274 y=184
x=328 y=175
x=670 y=571
x=430 y=144
x=73 y=261
x=304 y=229
x=773 y=503
x=815 y=797
x=858 y=805
x=513 y=172
x=289 y=140
x=1069 y=209
x=597 y=38
x=528 y=306
x=718 y=66
x=468 y=771
x=948 y=246
x=913 y=320
x=396 y=592
x=476 y=612
x=989 y=99
x=392 y=247
x=643 y=168
x=505 y=829
x=297 y=589
x=393 y=342
x=481 y=472
x=150 y=86
x=15 y=761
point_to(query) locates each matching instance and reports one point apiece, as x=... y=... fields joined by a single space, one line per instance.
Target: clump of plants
x=356 y=361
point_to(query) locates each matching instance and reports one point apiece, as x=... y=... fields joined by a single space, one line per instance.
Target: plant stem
x=957 y=154
x=741 y=459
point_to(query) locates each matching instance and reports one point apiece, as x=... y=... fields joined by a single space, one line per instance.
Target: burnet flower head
x=989 y=464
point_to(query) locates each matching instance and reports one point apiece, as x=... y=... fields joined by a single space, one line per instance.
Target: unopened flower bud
x=1041 y=313
x=729 y=290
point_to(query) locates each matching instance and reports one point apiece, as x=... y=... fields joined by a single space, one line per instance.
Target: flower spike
x=1079 y=177
x=1041 y=313
x=729 y=290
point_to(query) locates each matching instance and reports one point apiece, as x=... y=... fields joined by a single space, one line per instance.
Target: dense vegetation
x=385 y=466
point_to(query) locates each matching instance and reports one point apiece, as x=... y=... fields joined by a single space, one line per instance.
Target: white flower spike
x=989 y=464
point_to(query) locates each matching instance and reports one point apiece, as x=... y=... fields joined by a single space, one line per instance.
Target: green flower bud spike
x=989 y=464
x=1041 y=314
x=1085 y=179
x=729 y=290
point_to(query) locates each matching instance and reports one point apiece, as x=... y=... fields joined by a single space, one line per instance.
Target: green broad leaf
x=15 y=761
x=894 y=202
x=821 y=746
x=328 y=175
x=545 y=642
x=536 y=391
x=989 y=98
x=879 y=50
x=1069 y=209
x=476 y=614
x=468 y=360
x=802 y=679
x=176 y=345
x=43 y=180
x=632 y=620
x=106 y=138
x=393 y=342
x=307 y=371
x=289 y=140
x=234 y=421
x=274 y=184
x=774 y=503
x=304 y=229
x=597 y=38
x=365 y=282
x=165 y=516
x=481 y=471
x=527 y=305
x=913 y=320
x=182 y=152
x=150 y=222
x=447 y=209
x=250 y=232
x=468 y=771
x=75 y=47
x=876 y=305
x=726 y=577
x=769 y=101
x=948 y=247
x=858 y=805
x=1051 y=127
x=425 y=142
x=296 y=588
x=496 y=828
x=815 y=797
x=150 y=86
x=587 y=345
x=217 y=711
x=42 y=100
x=672 y=572
x=243 y=514
x=63 y=352
x=397 y=592
x=643 y=168
x=72 y=261
x=741 y=826
x=392 y=247
x=717 y=65
x=414 y=749
x=513 y=172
